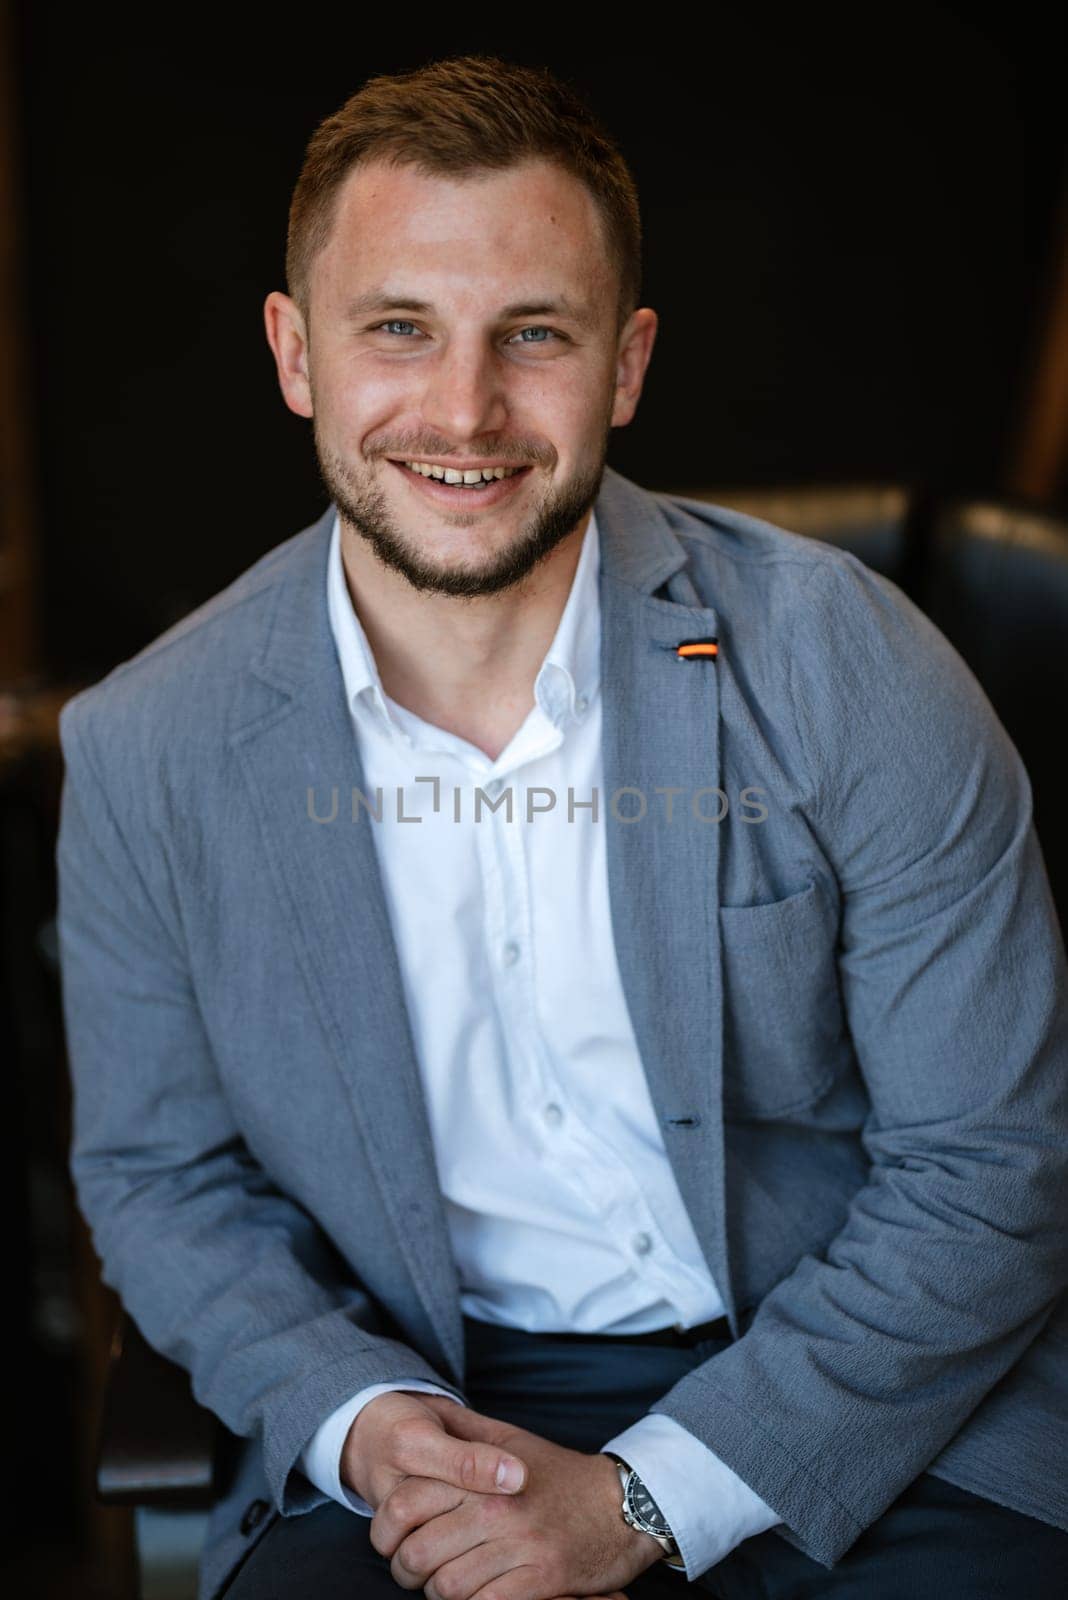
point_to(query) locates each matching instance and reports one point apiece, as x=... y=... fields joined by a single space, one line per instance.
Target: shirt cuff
x=708 y=1507
x=320 y=1460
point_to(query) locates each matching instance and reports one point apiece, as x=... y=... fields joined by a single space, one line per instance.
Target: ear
x=288 y=339
x=635 y=351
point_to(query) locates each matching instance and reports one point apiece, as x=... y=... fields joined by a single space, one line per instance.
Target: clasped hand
x=561 y=1535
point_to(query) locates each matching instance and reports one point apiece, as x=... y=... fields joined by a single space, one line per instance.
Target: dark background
x=849 y=218
x=851 y=221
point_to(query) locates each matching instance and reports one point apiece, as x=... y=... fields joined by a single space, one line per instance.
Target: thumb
x=467 y=1423
x=463 y=1450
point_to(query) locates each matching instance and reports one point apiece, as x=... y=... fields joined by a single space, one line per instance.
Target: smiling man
x=620 y=1196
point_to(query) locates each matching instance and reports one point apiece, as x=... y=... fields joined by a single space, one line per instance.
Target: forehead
x=483 y=233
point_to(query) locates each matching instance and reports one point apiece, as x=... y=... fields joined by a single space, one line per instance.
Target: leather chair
x=996 y=583
x=994 y=579
x=876 y=522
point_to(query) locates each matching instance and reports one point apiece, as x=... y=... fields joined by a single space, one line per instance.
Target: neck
x=465 y=665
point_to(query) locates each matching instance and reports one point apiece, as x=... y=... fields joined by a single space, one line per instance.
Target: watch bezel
x=664 y=1537
x=640 y=1520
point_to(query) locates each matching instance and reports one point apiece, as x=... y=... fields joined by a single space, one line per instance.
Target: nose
x=464 y=393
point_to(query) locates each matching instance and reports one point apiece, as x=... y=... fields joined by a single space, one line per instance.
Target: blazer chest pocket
x=784 y=1038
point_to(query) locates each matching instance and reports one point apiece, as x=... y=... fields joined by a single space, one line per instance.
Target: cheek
x=559 y=406
x=580 y=397
x=354 y=384
x=354 y=406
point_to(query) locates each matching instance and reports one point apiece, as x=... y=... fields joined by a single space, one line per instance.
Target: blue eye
x=402 y=322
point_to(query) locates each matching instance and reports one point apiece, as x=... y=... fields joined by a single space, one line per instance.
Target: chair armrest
x=156 y=1446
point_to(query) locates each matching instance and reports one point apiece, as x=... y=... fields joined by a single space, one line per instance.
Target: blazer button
x=254 y=1516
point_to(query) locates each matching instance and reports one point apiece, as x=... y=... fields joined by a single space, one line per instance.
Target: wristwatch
x=641 y=1511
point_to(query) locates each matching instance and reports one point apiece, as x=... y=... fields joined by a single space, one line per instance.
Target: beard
x=366 y=510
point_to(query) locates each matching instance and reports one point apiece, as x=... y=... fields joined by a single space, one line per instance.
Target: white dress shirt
x=562 y=1207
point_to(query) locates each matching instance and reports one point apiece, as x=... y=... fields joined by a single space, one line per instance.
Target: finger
x=407 y=1506
x=426 y=1450
x=441 y=1560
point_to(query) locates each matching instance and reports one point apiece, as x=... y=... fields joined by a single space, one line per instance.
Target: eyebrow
x=393 y=300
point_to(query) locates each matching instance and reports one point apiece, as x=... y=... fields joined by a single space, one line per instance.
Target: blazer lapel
x=660 y=731
x=333 y=901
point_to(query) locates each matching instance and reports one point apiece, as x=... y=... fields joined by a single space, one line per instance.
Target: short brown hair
x=461 y=115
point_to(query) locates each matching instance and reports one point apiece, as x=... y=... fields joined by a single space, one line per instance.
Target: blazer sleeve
x=864 y=1361
x=224 y=1274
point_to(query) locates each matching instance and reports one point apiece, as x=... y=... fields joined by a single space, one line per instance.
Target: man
x=692 y=1143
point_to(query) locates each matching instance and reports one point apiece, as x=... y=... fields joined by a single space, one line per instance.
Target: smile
x=486 y=492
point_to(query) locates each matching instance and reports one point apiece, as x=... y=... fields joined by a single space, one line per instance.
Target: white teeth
x=452 y=475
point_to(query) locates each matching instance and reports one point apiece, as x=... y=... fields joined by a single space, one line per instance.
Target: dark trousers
x=935 y=1542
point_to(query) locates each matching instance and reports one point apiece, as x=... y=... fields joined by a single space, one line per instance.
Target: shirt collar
x=569 y=674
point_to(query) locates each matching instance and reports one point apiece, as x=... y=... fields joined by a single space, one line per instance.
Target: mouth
x=465 y=496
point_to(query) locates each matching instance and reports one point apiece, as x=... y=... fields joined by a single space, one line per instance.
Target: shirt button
x=581 y=703
x=493 y=788
x=554 y=1115
x=642 y=1244
x=510 y=953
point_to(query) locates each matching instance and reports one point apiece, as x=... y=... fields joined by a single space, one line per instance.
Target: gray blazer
x=849 y=995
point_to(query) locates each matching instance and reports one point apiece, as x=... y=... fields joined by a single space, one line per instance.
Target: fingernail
x=509 y=1475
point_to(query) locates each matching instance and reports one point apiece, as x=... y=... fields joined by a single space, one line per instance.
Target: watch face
x=645 y=1507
